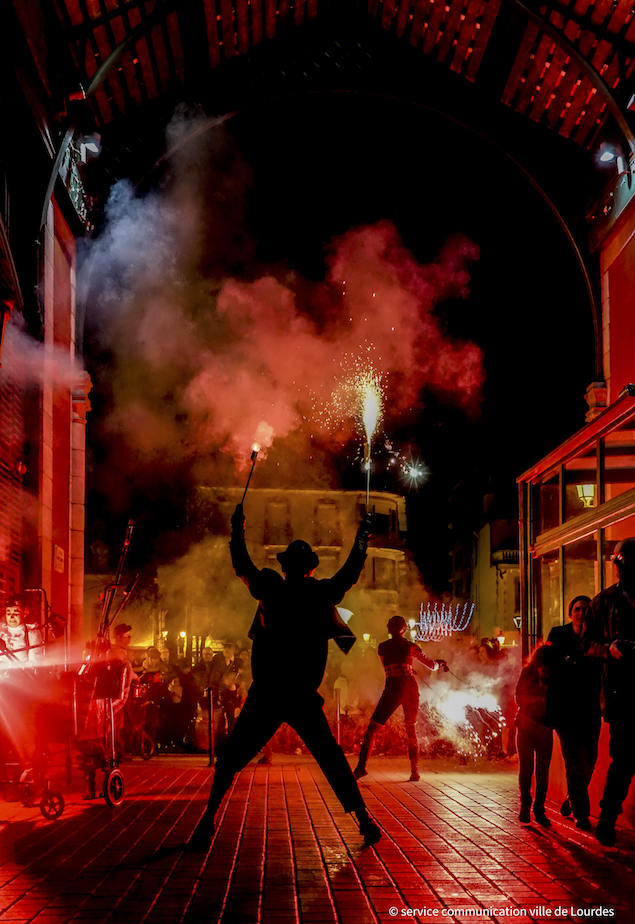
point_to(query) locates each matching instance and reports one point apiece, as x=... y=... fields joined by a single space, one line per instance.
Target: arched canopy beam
x=100 y=75
x=594 y=78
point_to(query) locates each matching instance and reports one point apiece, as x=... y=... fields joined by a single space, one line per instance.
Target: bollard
x=210 y=727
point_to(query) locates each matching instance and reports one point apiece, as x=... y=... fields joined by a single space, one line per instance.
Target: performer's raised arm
x=241 y=560
x=349 y=573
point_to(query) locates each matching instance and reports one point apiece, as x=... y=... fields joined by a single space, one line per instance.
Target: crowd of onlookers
x=169 y=699
x=582 y=674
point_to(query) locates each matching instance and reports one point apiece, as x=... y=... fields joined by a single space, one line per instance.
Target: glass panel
x=612 y=535
x=548 y=591
x=580 y=483
x=619 y=461
x=581 y=574
x=548 y=498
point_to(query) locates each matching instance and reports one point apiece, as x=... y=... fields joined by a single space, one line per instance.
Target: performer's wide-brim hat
x=298 y=556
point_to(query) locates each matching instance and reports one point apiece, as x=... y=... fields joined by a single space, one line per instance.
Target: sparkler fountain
x=371 y=400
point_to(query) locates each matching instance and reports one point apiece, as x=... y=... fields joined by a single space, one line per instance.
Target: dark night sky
x=328 y=162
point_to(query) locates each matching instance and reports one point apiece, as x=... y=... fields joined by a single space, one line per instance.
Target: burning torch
x=254 y=455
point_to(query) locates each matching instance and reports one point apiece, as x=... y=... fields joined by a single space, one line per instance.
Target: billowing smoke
x=27 y=361
x=204 y=357
x=208 y=351
x=464 y=713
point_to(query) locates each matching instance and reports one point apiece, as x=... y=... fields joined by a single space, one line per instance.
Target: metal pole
x=254 y=456
x=210 y=727
x=338 y=715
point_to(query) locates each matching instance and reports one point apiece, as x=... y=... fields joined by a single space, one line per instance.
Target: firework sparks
x=370 y=397
x=357 y=395
x=414 y=473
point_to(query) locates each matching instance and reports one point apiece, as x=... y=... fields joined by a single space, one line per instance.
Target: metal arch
x=589 y=71
x=596 y=313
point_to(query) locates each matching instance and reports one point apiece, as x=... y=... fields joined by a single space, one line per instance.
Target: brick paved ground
x=285 y=852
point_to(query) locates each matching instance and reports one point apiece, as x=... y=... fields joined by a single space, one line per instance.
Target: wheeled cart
x=101 y=690
x=31 y=721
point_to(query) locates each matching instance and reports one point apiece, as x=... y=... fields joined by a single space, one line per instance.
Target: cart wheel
x=27 y=789
x=114 y=787
x=52 y=804
x=147 y=746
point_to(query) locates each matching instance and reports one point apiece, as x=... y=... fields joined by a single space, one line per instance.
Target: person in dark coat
x=299 y=611
x=611 y=639
x=573 y=708
x=535 y=737
x=397 y=655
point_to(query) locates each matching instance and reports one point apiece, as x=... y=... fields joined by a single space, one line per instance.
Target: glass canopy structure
x=575 y=505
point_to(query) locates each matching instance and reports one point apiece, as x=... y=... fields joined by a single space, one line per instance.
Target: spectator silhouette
x=573 y=708
x=535 y=737
x=611 y=638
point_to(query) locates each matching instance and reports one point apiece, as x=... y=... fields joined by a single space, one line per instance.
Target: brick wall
x=11 y=491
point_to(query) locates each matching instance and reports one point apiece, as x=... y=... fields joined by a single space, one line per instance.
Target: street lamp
x=586 y=493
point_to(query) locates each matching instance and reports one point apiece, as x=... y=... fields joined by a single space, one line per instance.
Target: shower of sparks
x=369 y=387
x=357 y=395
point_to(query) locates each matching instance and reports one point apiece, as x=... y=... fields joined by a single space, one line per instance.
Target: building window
x=327 y=525
x=384 y=573
x=277 y=523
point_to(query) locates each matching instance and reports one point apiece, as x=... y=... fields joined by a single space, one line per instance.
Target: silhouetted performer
x=397 y=655
x=295 y=610
x=535 y=737
x=611 y=637
x=573 y=708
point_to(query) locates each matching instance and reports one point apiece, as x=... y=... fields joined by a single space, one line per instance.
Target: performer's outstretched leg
x=413 y=752
x=366 y=748
x=311 y=724
x=256 y=724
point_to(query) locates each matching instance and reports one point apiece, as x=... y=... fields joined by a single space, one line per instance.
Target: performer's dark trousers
x=579 y=745
x=622 y=766
x=261 y=716
x=535 y=745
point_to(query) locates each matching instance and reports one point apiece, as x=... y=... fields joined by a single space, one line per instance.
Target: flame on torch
x=264 y=434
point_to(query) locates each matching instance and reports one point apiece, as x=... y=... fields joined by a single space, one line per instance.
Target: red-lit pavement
x=285 y=852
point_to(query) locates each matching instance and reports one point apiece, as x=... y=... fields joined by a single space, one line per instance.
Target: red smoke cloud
x=202 y=365
x=278 y=362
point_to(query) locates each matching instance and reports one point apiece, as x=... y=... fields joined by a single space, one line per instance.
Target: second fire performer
x=296 y=612
x=397 y=655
